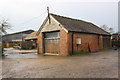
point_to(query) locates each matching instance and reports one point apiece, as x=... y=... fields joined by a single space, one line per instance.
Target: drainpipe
x=72 y=42
x=99 y=41
x=43 y=44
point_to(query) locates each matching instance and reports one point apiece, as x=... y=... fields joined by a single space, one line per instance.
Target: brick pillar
x=63 y=42
x=100 y=42
x=40 y=43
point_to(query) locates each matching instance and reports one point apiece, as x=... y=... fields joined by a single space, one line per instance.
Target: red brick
x=92 y=41
x=40 y=41
x=63 y=42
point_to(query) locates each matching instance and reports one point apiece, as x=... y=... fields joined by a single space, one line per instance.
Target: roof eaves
x=42 y=26
x=100 y=28
x=88 y=32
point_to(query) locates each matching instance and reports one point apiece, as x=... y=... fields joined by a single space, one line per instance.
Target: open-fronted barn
x=60 y=35
x=30 y=41
x=13 y=39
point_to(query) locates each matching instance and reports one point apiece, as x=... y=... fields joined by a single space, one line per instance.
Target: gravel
x=94 y=65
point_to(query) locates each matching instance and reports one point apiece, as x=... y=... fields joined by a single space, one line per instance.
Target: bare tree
x=4 y=25
x=108 y=29
x=111 y=30
x=104 y=27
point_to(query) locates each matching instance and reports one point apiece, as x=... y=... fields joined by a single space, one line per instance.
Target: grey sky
x=29 y=14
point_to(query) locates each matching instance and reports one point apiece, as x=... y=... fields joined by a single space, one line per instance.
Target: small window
x=52 y=34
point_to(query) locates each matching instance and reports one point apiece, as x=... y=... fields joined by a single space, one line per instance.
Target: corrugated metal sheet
x=32 y=36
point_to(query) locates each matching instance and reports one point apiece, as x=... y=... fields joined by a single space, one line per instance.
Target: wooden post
x=48 y=15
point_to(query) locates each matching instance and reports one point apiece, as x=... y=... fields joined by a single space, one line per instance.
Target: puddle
x=22 y=56
x=14 y=53
x=26 y=52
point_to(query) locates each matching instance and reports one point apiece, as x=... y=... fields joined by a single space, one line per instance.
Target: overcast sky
x=29 y=14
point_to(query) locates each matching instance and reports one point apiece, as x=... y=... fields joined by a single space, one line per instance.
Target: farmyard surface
x=95 y=65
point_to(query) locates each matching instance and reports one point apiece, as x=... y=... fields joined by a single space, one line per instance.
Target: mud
x=95 y=65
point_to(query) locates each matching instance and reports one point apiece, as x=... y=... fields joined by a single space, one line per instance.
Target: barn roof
x=26 y=31
x=79 y=25
x=32 y=36
x=17 y=40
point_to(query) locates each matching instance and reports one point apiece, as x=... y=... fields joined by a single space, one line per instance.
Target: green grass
x=81 y=52
x=69 y=55
x=104 y=49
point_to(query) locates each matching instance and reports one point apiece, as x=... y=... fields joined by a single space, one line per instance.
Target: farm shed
x=30 y=41
x=15 y=38
x=60 y=35
x=31 y=37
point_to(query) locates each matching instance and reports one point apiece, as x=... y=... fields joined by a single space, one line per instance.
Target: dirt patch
x=26 y=52
x=95 y=65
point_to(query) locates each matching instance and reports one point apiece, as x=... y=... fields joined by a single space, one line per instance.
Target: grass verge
x=81 y=52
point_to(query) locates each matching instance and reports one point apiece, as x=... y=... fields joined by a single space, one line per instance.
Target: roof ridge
x=69 y=18
x=89 y=25
x=20 y=32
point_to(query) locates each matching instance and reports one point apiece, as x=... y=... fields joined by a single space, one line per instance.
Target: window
x=52 y=34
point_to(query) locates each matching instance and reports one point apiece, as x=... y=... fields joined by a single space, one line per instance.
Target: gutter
x=91 y=33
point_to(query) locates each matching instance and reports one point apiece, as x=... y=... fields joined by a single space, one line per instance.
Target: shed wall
x=89 y=42
x=40 y=43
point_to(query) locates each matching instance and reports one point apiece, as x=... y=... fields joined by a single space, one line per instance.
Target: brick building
x=60 y=35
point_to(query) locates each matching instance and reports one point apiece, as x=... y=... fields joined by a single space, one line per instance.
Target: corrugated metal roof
x=17 y=40
x=32 y=36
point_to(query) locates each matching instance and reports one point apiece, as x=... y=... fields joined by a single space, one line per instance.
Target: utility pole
x=1 y=45
x=48 y=15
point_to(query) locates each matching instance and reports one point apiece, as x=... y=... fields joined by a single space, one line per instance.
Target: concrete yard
x=102 y=64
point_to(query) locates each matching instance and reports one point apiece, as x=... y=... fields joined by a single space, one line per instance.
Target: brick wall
x=89 y=41
x=100 y=42
x=40 y=42
x=69 y=43
x=63 y=42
